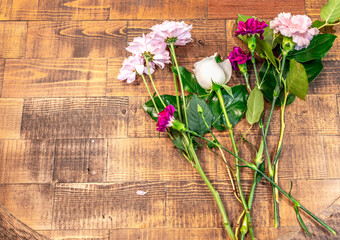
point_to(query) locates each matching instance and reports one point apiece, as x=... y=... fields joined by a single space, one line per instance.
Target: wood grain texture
x=54 y=78
x=327 y=81
x=313 y=7
x=12 y=228
x=229 y=9
x=59 y=10
x=332 y=153
x=30 y=203
x=24 y=161
x=167 y=234
x=10 y=118
x=75 y=118
x=158 y=9
x=100 y=234
x=2 y=69
x=78 y=39
x=13 y=39
x=99 y=206
x=152 y=159
x=80 y=160
x=5 y=9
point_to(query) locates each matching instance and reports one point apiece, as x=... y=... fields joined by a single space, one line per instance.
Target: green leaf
x=303 y=225
x=268 y=36
x=330 y=12
x=151 y=110
x=318 y=48
x=318 y=23
x=235 y=105
x=218 y=58
x=313 y=69
x=244 y=18
x=178 y=139
x=269 y=79
x=261 y=168
x=195 y=120
x=228 y=89
x=189 y=80
x=263 y=46
x=255 y=105
x=297 y=81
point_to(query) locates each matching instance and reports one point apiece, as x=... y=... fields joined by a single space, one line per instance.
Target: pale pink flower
x=297 y=27
x=132 y=66
x=177 y=33
x=150 y=48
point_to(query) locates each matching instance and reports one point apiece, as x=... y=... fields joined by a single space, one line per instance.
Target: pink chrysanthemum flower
x=297 y=27
x=177 y=33
x=251 y=27
x=238 y=57
x=165 y=118
x=131 y=66
x=150 y=48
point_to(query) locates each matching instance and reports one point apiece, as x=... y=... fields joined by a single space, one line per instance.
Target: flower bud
x=208 y=71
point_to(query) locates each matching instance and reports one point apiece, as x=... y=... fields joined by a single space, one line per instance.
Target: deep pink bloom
x=237 y=56
x=131 y=66
x=297 y=27
x=173 y=32
x=150 y=47
x=165 y=118
x=251 y=27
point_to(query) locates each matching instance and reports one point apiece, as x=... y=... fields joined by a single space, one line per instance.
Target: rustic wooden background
x=76 y=146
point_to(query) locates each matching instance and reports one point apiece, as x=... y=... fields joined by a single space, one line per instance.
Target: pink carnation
x=173 y=32
x=131 y=66
x=151 y=48
x=297 y=27
x=165 y=118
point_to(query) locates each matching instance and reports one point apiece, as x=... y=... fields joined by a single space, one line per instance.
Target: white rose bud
x=208 y=71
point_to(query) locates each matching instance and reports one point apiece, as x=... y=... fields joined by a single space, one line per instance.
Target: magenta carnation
x=151 y=48
x=177 y=33
x=251 y=27
x=297 y=27
x=165 y=118
x=237 y=56
x=131 y=66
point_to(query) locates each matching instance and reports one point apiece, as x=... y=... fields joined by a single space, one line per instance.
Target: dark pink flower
x=165 y=118
x=237 y=56
x=251 y=27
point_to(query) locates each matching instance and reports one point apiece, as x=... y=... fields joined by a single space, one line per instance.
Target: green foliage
x=313 y=69
x=189 y=80
x=330 y=12
x=299 y=218
x=318 y=48
x=235 y=105
x=196 y=122
x=167 y=99
x=255 y=105
x=318 y=23
x=297 y=81
x=264 y=47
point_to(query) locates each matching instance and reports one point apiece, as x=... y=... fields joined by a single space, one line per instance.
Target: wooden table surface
x=75 y=145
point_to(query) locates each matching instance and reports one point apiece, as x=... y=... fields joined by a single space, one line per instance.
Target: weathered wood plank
x=262 y=8
x=327 y=82
x=2 y=69
x=12 y=228
x=54 y=77
x=158 y=9
x=313 y=7
x=152 y=159
x=98 y=206
x=69 y=118
x=10 y=118
x=332 y=153
x=78 y=39
x=306 y=191
x=13 y=39
x=30 y=203
x=74 y=234
x=59 y=10
x=26 y=161
x=81 y=160
x=167 y=234
x=5 y=9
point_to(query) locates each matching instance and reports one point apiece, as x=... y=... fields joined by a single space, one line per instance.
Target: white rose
x=208 y=71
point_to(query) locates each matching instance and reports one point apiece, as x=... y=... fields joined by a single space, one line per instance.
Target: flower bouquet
x=290 y=49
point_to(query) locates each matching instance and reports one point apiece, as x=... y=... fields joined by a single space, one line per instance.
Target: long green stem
x=246 y=77
x=172 y=50
x=152 y=82
x=147 y=87
x=255 y=70
x=237 y=172
x=177 y=95
x=211 y=188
